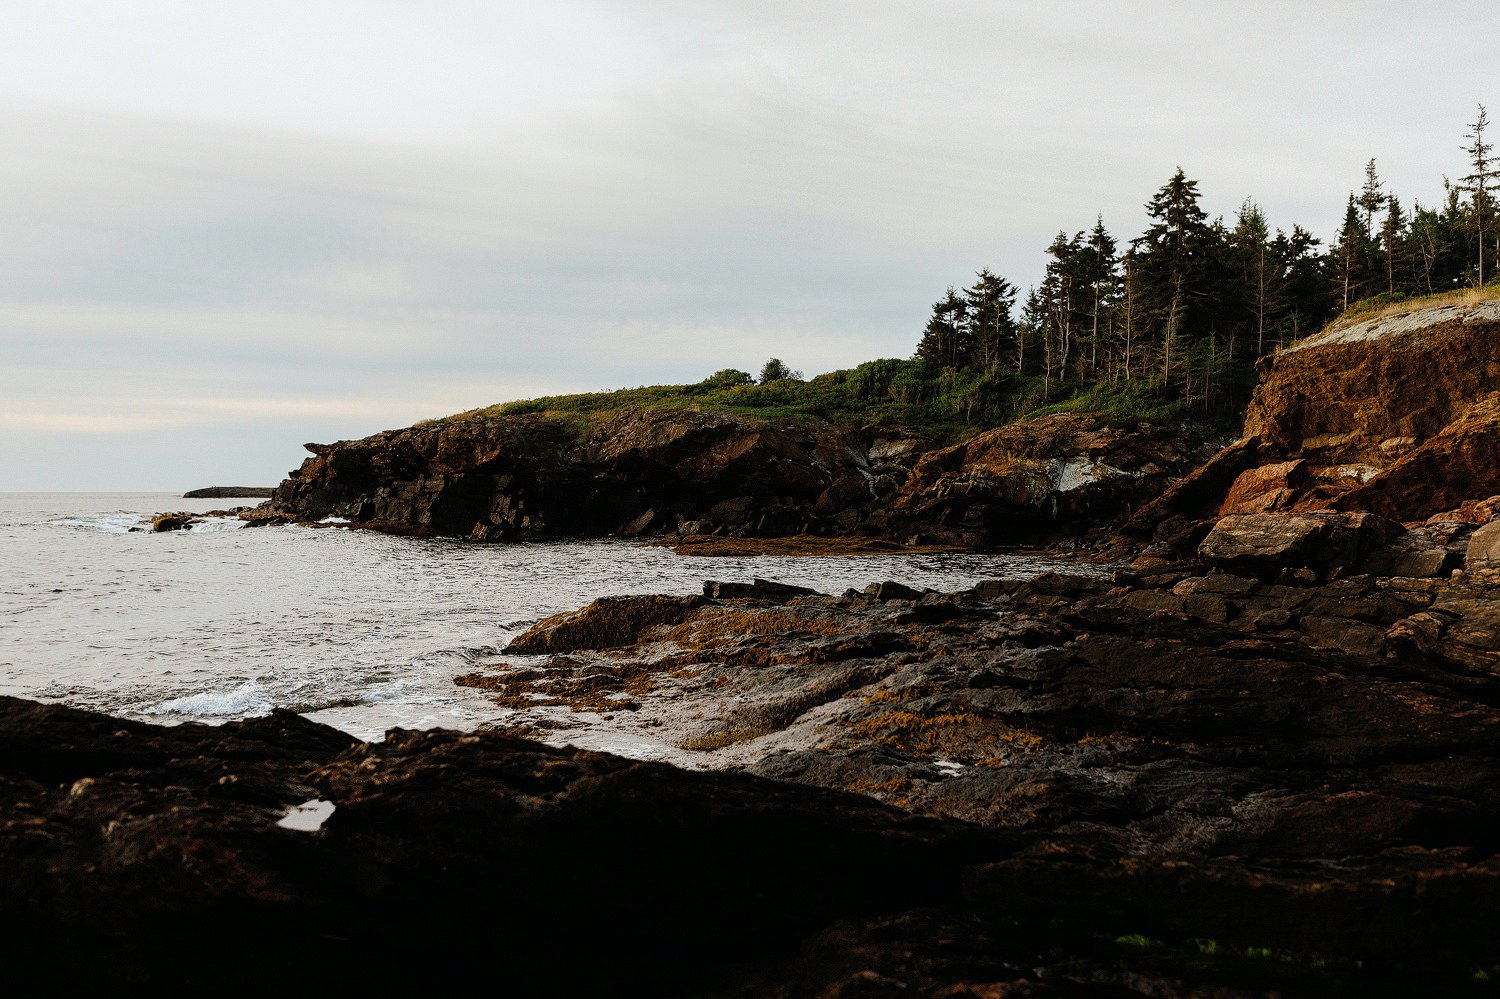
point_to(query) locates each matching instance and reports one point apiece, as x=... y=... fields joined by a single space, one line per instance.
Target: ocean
x=359 y=630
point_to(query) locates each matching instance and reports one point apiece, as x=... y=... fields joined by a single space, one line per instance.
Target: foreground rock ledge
x=1172 y=783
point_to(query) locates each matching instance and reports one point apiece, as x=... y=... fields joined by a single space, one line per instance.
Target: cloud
x=322 y=220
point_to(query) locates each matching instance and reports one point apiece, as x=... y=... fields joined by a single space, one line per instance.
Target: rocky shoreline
x=1247 y=748
x=1175 y=781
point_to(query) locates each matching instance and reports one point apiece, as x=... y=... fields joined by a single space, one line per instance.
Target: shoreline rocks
x=680 y=472
x=1116 y=780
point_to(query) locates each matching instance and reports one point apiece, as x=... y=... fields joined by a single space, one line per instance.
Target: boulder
x=1484 y=547
x=1264 y=544
x=1266 y=488
x=174 y=521
x=606 y=623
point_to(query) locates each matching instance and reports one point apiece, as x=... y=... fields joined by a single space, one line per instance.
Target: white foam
x=105 y=523
x=246 y=699
x=213 y=525
x=308 y=816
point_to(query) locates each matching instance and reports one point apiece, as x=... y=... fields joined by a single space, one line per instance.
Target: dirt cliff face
x=1372 y=392
x=1394 y=416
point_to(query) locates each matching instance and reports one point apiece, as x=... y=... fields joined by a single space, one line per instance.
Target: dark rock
x=1483 y=549
x=606 y=623
x=174 y=521
x=760 y=589
x=1264 y=544
x=1343 y=633
x=1266 y=488
x=130 y=854
x=892 y=590
x=230 y=492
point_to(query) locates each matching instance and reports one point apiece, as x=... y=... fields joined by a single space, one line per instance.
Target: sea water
x=360 y=630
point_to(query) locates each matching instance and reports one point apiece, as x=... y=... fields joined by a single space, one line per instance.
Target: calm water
x=358 y=630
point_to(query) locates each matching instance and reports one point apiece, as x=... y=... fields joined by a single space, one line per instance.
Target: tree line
x=1187 y=307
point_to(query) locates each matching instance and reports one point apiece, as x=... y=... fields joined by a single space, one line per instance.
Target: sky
x=233 y=227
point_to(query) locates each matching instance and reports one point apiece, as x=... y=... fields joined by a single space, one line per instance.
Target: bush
x=775 y=370
x=727 y=378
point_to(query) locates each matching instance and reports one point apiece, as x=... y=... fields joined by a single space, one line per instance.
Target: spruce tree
x=990 y=329
x=1351 y=256
x=1099 y=268
x=945 y=340
x=1478 y=184
x=1173 y=261
x=1393 y=242
x=1256 y=271
x=1370 y=198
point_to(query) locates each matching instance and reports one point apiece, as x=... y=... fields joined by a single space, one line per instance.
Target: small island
x=230 y=492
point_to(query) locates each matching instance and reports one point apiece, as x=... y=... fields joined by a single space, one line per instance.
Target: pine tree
x=945 y=340
x=1099 y=268
x=1370 y=198
x=1305 y=292
x=990 y=328
x=1256 y=270
x=1351 y=255
x=1394 y=243
x=1172 y=263
x=1063 y=290
x=1485 y=176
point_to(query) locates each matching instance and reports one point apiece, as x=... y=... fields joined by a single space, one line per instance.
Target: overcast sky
x=232 y=227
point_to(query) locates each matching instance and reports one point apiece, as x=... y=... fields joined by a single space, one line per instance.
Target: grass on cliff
x=919 y=396
x=1381 y=306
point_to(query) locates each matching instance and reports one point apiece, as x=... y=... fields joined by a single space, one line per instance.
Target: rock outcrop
x=1221 y=761
x=519 y=476
x=1171 y=781
x=230 y=492
x=1030 y=481
x=1393 y=416
x=692 y=472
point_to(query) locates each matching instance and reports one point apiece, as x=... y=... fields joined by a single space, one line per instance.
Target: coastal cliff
x=687 y=471
x=1393 y=415
x=1256 y=760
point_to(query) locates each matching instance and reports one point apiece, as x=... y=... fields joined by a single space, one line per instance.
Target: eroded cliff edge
x=1391 y=416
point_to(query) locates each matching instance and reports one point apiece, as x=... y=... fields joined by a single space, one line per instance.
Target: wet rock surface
x=1166 y=780
x=1234 y=766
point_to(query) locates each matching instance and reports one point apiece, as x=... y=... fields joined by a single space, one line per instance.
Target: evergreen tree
x=946 y=338
x=1256 y=271
x=990 y=329
x=1370 y=198
x=1479 y=184
x=1395 y=246
x=1063 y=291
x=1351 y=256
x=1099 y=271
x=1173 y=261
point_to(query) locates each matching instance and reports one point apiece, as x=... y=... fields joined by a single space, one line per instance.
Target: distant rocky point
x=230 y=492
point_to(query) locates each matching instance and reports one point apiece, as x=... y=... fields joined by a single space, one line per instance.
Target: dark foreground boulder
x=137 y=855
